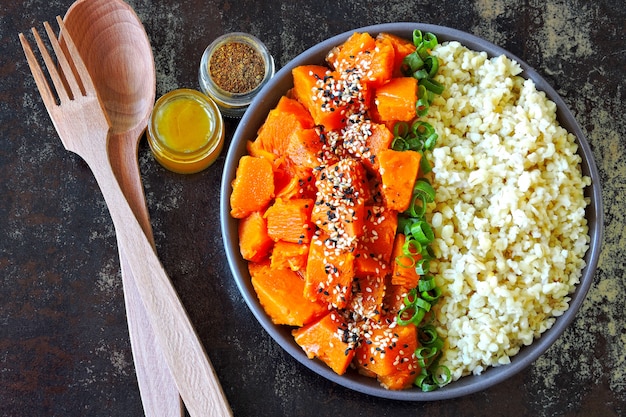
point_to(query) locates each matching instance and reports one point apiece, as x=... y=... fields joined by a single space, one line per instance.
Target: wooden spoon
x=116 y=50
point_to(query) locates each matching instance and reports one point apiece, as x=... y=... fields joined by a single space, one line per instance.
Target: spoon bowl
x=116 y=50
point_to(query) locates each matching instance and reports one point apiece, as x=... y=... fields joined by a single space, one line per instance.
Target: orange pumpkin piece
x=289 y=255
x=368 y=295
x=253 y=186
x=280 y=293
x=295 y=182
x=346 y=54
x=389 y=352
x=380 y=229
x=343 y=189
x=323 y=339
x=396 y=100
x=305 y=147
x=379 y=140
x=254 y=242
x=289 y=220
x=329 y=273
x=374 y=57
x=287 y=117
x=394 y=297
x=305 y=86
x=403 y=266
x=402 y=48
x=398 y=170
x=366 y=264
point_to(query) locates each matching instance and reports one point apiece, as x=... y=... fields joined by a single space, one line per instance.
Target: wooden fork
x=82 y=124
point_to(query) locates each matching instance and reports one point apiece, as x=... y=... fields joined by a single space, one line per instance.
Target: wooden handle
x=187 y=360
x=158 y=390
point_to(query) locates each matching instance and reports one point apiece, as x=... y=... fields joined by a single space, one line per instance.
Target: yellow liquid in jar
x=184 y=125
x=185 y=132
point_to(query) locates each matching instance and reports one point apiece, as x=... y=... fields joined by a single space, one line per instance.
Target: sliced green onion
x=427 y=335
x=422 y=129
x=441 y=375
x=417 y=37
x=425 y=165
x=431 y=295
x=399 y=144
x=430 y=142
x=412 y=62
x=423 y=304
x=417 y=207
x=417 y=315
x=430 y=40
x=421 y=231
x=426 y=284
x=422 y=266
x=412 y=247
x=426 y=355
x=405 y=261
x=400 y=129
x=410 y=297
x=421 y=73
x=424 y=187
x=431 y=64
x=432 y=85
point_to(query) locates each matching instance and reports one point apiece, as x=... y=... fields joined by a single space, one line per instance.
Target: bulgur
x=509 y=215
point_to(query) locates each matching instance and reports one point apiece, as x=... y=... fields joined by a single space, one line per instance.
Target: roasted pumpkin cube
x=346 y=54
x=254 y=242
x=388 y=351
x=339 y=208
x=396 y=100
x=329 y=272
x=295 y=182
x=289 y=220
x=367 y=295
x=402 y=48
x=253 y=186
x=324 y=339
x=305 y=147
x=289 y=255
x=380 y=139
x=287 y=117
x=398 y=170
x=379 y=232
x=306 y=82
x=280 y=292
x=374 y=58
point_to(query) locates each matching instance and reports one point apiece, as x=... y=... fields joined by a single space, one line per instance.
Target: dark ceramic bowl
x=252 y=120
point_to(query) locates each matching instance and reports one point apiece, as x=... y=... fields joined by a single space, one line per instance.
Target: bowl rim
x=256 y=114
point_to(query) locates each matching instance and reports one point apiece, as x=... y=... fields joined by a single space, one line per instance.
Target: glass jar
x=185 y=131
x=233 y=69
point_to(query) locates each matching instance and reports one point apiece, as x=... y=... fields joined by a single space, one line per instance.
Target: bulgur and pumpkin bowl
x=247 y=130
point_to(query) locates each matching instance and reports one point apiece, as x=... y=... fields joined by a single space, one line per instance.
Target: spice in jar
x=236 y=67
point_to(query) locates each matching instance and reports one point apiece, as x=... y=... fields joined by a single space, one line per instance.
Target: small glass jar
x=185 y=131
x=233 y=69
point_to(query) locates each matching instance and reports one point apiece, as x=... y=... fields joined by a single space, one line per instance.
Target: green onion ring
x=400 y=261
x=426 y=283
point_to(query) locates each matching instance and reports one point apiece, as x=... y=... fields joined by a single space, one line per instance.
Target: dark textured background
x=64 y=348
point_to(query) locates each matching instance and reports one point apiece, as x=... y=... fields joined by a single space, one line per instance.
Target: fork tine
x=38 y=75
x=66 y=69
x=76 y=60
x=51 y=67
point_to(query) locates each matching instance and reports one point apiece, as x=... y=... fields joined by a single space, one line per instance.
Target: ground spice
x=236 y=67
